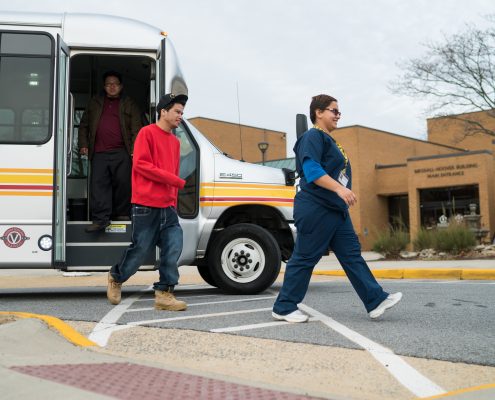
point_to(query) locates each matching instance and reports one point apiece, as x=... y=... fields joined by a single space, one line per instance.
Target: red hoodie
x=155 y=168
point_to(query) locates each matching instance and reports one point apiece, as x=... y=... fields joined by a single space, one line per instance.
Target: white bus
x=236 y=216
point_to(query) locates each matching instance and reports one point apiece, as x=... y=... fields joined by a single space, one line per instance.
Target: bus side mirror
x=290 y=176
x=301 y=124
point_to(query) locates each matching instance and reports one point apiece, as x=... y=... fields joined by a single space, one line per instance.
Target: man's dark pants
x=110 y=185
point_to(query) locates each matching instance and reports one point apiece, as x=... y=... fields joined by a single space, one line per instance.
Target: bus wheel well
x=267 y=217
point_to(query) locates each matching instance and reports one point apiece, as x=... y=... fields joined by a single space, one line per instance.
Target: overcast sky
x=282 y=52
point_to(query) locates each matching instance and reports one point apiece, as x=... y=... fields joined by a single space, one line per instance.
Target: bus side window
x=7 y=118
x=34 y=124
x=26 y=85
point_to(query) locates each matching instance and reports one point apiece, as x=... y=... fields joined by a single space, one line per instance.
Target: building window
x=398 y=212
x=448 y=201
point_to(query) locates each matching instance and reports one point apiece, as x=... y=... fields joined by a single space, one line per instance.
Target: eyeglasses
x=335 y=111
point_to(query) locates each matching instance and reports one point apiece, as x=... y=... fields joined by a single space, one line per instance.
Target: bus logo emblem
x=14 y=238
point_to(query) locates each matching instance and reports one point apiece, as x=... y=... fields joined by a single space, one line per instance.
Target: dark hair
x=112 y=73
x=319 y=102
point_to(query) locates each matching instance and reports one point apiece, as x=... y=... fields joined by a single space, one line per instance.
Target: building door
x=398 y=212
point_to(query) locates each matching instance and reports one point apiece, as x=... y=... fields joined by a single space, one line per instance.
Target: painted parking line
x=220 y=314
x=254 y=326
x=209 y=303
x=108 y=324
x=405 y=374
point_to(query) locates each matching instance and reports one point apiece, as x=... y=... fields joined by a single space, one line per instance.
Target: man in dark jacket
x=107 y=132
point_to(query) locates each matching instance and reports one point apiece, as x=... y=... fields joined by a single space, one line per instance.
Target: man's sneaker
x=390 y=301
x=96 y=227
x=166 y=301
x=113 y=290
x=294 y=316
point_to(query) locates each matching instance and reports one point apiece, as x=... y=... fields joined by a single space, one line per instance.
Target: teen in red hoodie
x=155 y=187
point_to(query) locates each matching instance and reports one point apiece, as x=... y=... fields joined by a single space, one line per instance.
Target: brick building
x=229 y=136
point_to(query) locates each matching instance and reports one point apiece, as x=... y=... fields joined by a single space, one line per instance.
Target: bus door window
x=189 y=164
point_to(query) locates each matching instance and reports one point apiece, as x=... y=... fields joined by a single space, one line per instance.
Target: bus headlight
x=45 y=242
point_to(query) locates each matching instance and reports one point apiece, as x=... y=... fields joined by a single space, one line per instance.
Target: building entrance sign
x=446 y=170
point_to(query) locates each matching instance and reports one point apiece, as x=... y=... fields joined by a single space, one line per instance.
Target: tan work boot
x=166 y=301
x=113 y=290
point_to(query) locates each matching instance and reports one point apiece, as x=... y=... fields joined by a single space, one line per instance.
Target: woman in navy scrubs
x=321 y=214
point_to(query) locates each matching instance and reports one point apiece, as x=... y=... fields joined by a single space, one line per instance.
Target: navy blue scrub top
x=322 y=148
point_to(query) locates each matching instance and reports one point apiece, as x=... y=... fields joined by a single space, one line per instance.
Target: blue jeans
x=152 y=227
x=318 y=229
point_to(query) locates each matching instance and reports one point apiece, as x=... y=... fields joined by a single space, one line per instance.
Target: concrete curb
x=60 y=326
x=423 y=273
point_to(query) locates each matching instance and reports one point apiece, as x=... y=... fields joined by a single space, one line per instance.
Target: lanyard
x=339 y=146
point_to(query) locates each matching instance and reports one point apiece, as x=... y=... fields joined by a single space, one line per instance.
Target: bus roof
x=91 y=30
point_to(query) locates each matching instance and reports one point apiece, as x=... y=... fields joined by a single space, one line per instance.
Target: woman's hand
x=347 y=195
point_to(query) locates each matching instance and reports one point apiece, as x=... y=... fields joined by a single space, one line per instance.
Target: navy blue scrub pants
x=318 y=229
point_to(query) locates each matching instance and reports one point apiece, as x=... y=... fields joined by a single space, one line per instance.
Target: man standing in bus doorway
x=155 y=187
x=107 y=132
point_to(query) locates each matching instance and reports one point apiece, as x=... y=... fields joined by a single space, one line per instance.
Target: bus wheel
x=244 y=259
x=204 y=272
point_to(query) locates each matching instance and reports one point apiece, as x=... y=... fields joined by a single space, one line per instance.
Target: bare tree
x=457 y=76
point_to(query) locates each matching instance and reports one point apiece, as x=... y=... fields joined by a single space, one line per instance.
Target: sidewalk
x=414 y=269
x=37 y=363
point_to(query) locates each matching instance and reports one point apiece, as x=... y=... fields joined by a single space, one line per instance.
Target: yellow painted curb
x=473 y=274
x=65 y=330
x=432 y=273
x=423 y=273
x=388 y=273
x=460 y=391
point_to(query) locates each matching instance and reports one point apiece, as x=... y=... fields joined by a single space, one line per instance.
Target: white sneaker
x=389 y=302
x=294 y=316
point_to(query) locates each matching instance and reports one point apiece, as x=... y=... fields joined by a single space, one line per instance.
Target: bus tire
x=244 y=259
x=204 y=272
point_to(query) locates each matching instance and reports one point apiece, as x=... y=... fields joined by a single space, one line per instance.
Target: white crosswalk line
x=409 y=377
x=209 y=303
x=108 y=324
x=220 y=314
x=253 y=326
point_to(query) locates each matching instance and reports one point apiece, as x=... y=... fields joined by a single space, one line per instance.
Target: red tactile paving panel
x=132 y=381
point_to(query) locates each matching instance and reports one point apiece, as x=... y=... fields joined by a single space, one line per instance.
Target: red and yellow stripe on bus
x=26 y=182
x=232 y=194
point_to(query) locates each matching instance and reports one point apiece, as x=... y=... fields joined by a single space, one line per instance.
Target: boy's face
x=173 y=117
